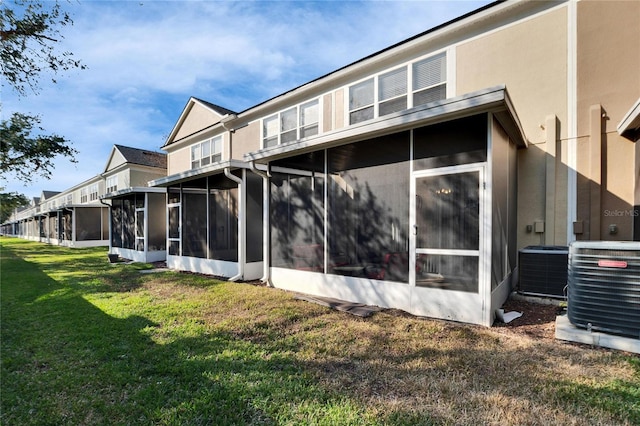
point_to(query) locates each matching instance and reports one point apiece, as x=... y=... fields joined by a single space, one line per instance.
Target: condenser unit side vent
x=604 y=286
x=543 y=271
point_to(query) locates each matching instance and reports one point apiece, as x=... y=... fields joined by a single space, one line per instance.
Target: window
x=387 y=93
x=430 y=80
x=361 y=98
x=309 y=119
x=93 y=192
x=70 y=199
x=392 y=91
x=112 y=184
x=270 y=131
x=207 y=152
x=292 y=124
x=83 y=195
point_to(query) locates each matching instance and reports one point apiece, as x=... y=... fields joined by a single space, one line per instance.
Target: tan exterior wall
x=530 y=58
x=245 y=139
x=179 y=160
x=327 y=111
x=339 y=112
x=142 y=177
x=608 y=83
x=197 y=119
x=116 y=160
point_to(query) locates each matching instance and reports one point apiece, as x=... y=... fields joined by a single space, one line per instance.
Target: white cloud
x=145 y=59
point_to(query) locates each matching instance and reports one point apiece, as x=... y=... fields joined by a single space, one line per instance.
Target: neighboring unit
x=410 y=179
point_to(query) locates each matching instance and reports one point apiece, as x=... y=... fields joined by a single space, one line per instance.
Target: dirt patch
x=537 y=320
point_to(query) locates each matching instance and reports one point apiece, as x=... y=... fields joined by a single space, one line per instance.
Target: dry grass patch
x=110 y=345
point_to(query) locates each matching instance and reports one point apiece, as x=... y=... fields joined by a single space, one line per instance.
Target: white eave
x=212 y=169
x=132 y=190
x=629 y=127
x=494 y=99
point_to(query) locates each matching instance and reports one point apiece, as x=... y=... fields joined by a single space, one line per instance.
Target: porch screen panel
x=88 y=223
x=462 y=141
x=140 y=230
x=157 y=222
x=254 y=218
x=297 y=224
x=116 y=223
x=67 y=224
x=105 y=223
x=503 y=244
x=194 y=223
x=368 y=187
x=128 y=222
x=223 y=219
x=448 y=231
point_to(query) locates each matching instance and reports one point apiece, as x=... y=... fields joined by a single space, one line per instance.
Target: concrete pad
x=569 y=332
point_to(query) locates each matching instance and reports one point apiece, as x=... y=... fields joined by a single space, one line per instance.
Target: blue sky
x=146 y=58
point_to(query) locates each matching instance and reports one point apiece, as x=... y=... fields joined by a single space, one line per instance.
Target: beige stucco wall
x=179 y=160
x=245 y=139
x=142 y=177
x=116 y=160
x=197 y=118
x=530 y=58
x=608 y=65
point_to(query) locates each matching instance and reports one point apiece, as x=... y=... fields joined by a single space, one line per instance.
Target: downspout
x=241 y=225
x=110 y=230
x=266 y=247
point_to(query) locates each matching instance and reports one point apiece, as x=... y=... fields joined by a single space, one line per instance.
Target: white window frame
x=206 y=152
x=273 y=127
x=84 y=195
x=93 y=192
x=111 y=184
x=410 y=90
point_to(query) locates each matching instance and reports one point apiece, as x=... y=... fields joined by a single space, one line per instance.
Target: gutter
x=266 y=247
x=241 y=226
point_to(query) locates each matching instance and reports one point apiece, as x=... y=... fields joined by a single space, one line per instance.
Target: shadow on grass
x=64 y=361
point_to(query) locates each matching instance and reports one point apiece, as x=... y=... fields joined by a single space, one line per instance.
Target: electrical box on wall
x=538 y=226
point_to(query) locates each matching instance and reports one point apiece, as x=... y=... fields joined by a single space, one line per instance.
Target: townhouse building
x=411 y=178
x=79 y=216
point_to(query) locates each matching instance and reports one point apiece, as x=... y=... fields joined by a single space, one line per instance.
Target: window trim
x=410 y=91
x=211 y=158
x=266 y=140
x=94 y=190
x=111 y=184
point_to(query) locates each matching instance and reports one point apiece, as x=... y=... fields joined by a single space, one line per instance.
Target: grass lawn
x=85 y=342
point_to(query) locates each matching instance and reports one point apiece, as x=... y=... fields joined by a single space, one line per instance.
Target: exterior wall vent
x=604 y=286
x=543 y=270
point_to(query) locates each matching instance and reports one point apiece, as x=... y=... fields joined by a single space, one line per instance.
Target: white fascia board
x=211 y=169
x=133 y=190
x=491 y=99
x=629 y=127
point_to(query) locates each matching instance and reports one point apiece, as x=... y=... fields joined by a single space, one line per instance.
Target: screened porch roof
x=494 y=99
x=212 y=169
x=629 y=127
